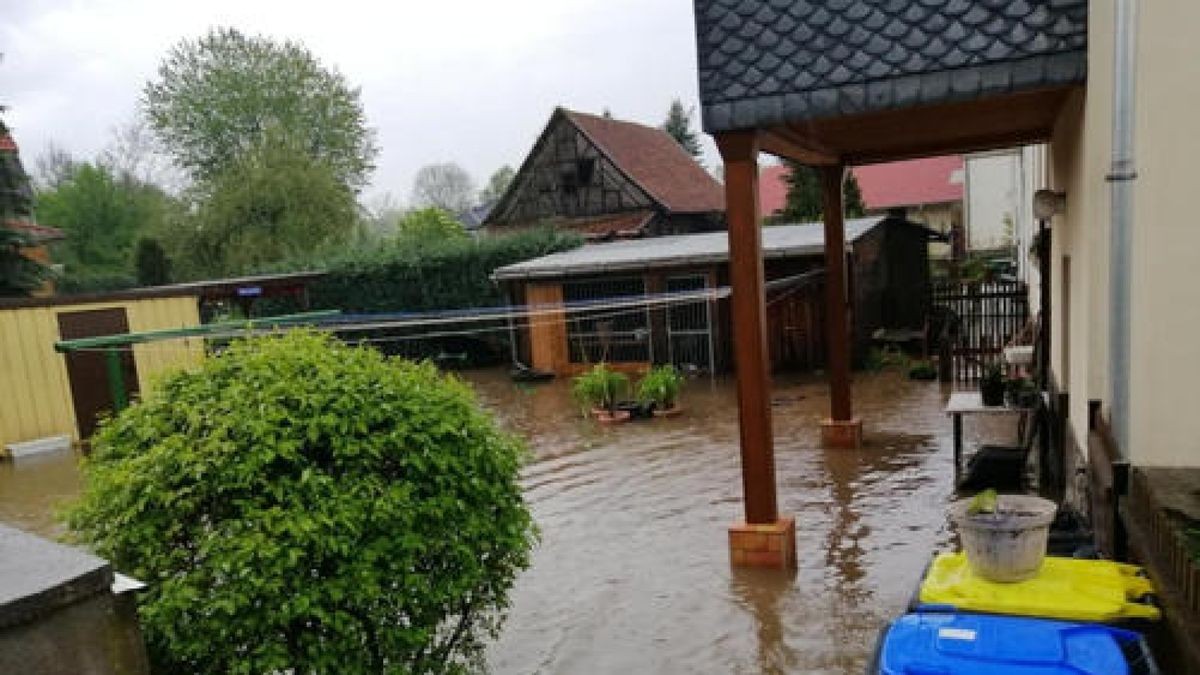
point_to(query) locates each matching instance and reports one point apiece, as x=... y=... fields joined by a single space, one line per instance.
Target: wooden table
x=970 y=402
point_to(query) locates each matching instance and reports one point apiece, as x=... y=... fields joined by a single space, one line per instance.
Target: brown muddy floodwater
x=632 y=573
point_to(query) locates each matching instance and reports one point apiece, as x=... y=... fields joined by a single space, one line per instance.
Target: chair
x=1002 y=467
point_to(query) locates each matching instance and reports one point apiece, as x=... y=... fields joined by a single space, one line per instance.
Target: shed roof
x=766 y=62
x=779 y=241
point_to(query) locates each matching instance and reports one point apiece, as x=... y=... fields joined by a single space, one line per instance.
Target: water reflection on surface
x=632 y=572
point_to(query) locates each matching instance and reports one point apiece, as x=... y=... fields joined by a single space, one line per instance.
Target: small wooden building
x=606 y=179
x=51 y=395
x=665 y=300
x=48 y=394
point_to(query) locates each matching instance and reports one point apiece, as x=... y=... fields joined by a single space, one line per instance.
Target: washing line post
x=116 y=379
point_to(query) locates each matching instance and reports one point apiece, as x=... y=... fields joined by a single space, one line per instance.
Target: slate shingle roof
x=763 y=62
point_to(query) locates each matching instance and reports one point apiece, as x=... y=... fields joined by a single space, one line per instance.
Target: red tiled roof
x=772 y=189
x=7 y=144
x=933 y=180
x=909 y=183
x=654 y=161
x=39 y=233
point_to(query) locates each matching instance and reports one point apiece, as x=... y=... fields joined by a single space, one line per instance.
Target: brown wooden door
x=87 y=371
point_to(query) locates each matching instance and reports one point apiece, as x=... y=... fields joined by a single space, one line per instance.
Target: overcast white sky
x=468 y=81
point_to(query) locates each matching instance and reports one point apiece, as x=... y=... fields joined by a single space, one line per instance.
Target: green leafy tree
x=431 y=225
x=18 y=274
x=679 y=125
x=497 y=185
x=298 y=505
x=804 y=195
x=272 y=203
x=102 y=217
x=218 y=97
x=153 y=266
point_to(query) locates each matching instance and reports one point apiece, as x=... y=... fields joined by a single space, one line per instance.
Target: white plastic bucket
x=1008 y=545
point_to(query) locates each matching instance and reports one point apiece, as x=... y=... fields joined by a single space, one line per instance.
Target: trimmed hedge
x=452 y=274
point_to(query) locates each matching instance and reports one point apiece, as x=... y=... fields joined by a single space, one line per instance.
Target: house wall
x=1165 y=314
x=36 y=375
x=1165 y=299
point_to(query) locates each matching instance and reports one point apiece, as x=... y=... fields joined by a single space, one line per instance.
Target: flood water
x=632 y=573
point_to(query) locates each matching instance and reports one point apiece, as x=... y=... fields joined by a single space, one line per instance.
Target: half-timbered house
x=606 y=179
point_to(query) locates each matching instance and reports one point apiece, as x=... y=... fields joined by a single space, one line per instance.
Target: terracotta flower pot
x=604 y=416
x=673 y=411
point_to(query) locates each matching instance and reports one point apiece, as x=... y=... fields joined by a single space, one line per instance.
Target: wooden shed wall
x=38 y=393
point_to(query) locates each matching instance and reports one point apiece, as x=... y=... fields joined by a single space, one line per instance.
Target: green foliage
x=599 y=388
x=151 y=262
x=679 y=125
x=993 y=373
x=96 y=282
x=450 y=274
x=102 y=216
x=220 y=96
x=270 y=204
x=497 y=185
x=879 y=358
x=18 y=275
x=297 y=505
x=661 y=385
x=922 y=370
x=429 y=226
x=804 y=195
x=983 y=502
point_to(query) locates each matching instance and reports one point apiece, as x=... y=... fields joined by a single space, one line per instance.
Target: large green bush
x=408 y=275
x=297 y=505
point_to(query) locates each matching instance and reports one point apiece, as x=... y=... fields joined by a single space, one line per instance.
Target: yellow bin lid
x=1064 y=588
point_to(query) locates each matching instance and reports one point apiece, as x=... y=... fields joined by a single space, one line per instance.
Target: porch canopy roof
x=778 y=241
x=830 y=82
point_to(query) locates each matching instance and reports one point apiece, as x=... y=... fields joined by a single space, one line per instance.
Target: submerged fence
x=979 y=319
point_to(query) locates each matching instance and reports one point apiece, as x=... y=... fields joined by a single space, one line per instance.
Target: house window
x=607 y=333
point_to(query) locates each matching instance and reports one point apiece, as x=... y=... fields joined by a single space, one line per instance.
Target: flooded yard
x=632 y=572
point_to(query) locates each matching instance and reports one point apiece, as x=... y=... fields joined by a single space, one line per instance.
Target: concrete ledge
x=841 y=434
x=764 y=545
x=38 y=576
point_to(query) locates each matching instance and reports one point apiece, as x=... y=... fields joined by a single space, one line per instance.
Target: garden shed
x=50 y=395
x=634 y=303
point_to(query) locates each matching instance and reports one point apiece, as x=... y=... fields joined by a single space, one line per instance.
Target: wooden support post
x=765 y=539
x=841 y=429
x=748 y=306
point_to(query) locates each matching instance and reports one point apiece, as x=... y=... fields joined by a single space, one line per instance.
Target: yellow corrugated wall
x=33 y=377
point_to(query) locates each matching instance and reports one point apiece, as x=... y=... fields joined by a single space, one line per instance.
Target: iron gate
x=689 y=328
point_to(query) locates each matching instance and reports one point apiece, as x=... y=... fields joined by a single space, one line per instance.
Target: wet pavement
x=632 y=572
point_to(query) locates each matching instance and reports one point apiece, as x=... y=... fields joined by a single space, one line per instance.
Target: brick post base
x=768 y=545
x=842 y=434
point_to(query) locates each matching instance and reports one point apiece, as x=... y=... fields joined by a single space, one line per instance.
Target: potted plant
x=597 y=392
x=660 y=387
x=1021 y=392
x=991 y=384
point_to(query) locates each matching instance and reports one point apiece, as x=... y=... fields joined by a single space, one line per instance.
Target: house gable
x=566 y=176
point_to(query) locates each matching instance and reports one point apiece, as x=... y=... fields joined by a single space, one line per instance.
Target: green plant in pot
x=598 y=390
x=1021 y=392
x=661 y=387
x=991 y=384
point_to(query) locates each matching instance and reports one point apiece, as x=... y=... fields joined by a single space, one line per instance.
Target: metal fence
x=689 y=326
x=978 y=319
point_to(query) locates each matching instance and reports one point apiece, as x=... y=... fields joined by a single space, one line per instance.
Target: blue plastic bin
x=982 y=644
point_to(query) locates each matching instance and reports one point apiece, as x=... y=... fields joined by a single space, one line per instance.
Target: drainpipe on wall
x=1121 y=176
